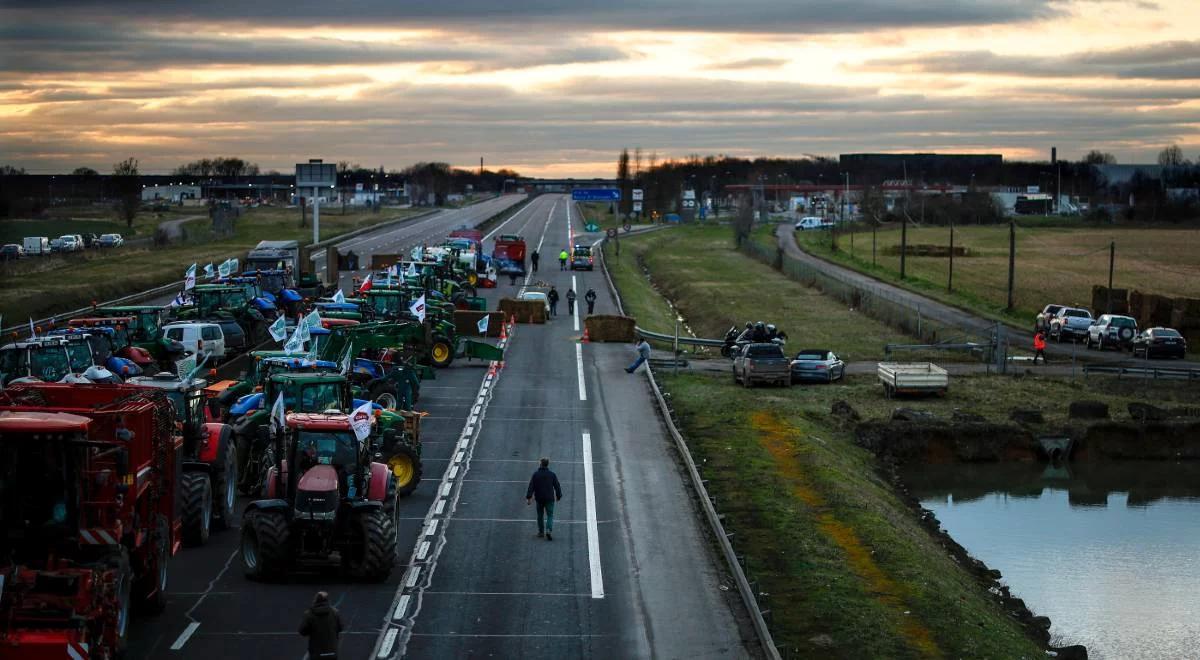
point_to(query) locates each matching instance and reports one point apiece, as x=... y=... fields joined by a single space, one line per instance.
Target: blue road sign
x=596 y=195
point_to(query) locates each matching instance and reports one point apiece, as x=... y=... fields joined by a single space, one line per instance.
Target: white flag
x=360 y=421
x=32 y=334
x=189 y=278
x=412 y=270
x=483 y=324
x=313 y=320
x=418 y=308
x=339 y=297
x=347 y=360
x=278 y=415
x=233 y=265
x=295 y=344
x=209 y=273
x=278 y=329
x=303 y=331
x=223 y=270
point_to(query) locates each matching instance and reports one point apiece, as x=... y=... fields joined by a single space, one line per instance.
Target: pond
x=1109 y=551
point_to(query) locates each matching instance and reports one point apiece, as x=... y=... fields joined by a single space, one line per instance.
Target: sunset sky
x=557 y=88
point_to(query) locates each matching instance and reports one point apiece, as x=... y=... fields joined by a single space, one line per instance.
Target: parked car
x=1070 y=323
x=36 y=246
x=536 y=295
x=1112 y=330
x=198 y=337
x=1042 y=320
x=56 y=245
x=70 y=243
x=11 y=252
x=89 y=239
x=817 y=365
x=110 y=240
x=1159 y=342
x=235 y=335
x=581 y=258
x=813 y=222
x=761 y=363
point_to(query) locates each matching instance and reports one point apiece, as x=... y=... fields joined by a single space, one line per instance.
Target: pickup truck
x=912 y=378
x=1070 y=323
x=761 y=363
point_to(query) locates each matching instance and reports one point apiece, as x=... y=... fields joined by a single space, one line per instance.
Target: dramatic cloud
x=1173 y=60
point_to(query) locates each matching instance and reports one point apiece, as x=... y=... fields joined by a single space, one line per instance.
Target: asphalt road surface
x=630 y=572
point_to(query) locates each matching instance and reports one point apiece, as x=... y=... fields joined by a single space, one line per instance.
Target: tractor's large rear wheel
x=151 y=586
x=405 y=465
x=118 y=561
x=266 y=545
x=196 y=504
x=441 y=354
x=385 y=394
x=224 y=482
x=370 y=550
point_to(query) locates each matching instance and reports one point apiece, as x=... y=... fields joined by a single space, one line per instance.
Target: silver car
x=817 y=365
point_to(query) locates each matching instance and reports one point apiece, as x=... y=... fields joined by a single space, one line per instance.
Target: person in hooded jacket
x=552 y=298
x=322 y=625
x=590 y=297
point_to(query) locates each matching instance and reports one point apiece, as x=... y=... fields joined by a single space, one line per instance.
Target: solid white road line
x=185 y=635
x=579 y=372
x=575 y=288
x=501 y=225
x=593 y=533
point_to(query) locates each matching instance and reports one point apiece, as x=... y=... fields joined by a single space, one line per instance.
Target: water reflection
x=1110 y=552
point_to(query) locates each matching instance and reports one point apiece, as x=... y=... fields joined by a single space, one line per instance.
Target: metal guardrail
x=1165 y=373
x=706 y=501
x=133 y=297
x=693 y=341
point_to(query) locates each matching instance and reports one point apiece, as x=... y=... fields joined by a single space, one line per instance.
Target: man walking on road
x=571 y=301
x=1039 y=347
x=590 y=297
x=544 y=488
x=321 y=625
x=562 y=260
x=533 y=259
x=552 y=298
x=643 y=354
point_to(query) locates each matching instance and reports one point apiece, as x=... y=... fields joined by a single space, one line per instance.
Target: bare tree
x=84 y=171
x=1095 y=157
x=623 y=180
x=1171 y=156
x=743 y=221
x=129 y=193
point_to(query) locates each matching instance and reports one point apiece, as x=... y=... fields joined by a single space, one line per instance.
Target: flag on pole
x=278 y=329
x=303 y=330
x=339 y=297
x=418 y=308
x=366 y=285
x=32 y=333
x=346 y=361
x=412 y=270
x=360 y=421
x=295 y=344
x=233 y=265
x=209 y=272
x=223 y=270
x=189 y=278
x=483 y=325
x=313 y=320
x=278 y=414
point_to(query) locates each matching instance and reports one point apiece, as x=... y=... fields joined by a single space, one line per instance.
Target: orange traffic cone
x=491 y=369
x=585 y=334
x=503 y=332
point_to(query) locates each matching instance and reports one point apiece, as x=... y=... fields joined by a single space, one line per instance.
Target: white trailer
x=913 y=378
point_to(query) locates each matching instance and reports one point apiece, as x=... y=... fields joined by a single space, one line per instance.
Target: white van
x=813 y=222
x=36 y=246
x=198 y=337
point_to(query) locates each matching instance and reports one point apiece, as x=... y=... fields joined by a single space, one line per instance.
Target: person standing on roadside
x=643 y=354
x=552 y=298
x=545 y=490
x=322 y=625
x=1039 y=347
x=571 y=301
x=562 y=260
x=590 y=297
x=533 y=259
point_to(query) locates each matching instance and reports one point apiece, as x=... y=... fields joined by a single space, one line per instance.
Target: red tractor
x=335 y=504
x=87 y=509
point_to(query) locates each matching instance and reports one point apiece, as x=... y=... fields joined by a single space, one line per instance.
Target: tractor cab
x=187 y=397
x=37 y=506
x=143 y=325
x=39 y=359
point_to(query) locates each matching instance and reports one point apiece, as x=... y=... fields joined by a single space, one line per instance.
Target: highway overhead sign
x=596 y=195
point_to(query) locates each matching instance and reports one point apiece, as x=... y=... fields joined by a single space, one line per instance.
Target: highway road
x=630 y=572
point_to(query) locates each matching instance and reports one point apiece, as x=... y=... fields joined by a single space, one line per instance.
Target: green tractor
x=395 y=439
x=231 y=301
x=145 y=323
x=434 y=342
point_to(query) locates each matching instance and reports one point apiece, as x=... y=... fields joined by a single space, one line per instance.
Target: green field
x=1054 y=264
x=41 y=287
x=715 y=287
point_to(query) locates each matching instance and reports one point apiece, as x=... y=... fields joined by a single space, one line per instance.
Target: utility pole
x=317 y=218
x=1112 y=258
x=874 y=223
x=1012 y=259
x=903 y=242
x=950 y=276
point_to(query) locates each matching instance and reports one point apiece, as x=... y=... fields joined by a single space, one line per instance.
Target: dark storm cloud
x=1172 y=60
x=766 y=16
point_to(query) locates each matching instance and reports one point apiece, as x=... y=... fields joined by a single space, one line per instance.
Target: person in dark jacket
x=552 y=298
x=590 y=297
x=533 y=259
x=544 y=489
x=322 y=625
x=571 y=301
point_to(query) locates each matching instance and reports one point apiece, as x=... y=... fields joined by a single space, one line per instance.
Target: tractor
x=395 y=438
x=325 y=500
x=208 y=486
x=117 y=331
x=87 y=500
x=230 y=301
x=34 y=359
x=276 y=285
x=144 y=332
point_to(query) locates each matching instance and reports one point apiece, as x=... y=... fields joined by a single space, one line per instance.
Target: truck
x=508 y=255
x=36 y=246
x=912 y=378
x=761 y=363
x=87 y=499
x=1070 y=323
x=285 y=256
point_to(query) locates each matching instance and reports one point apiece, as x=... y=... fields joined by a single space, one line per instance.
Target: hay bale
x=1088 y=410
x=1159 y=308
x=466 y=323
x=609 y=327
x=525 y=311
x=1120 y=300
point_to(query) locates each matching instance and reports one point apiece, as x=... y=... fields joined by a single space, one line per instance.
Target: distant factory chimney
x=1053 y=155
